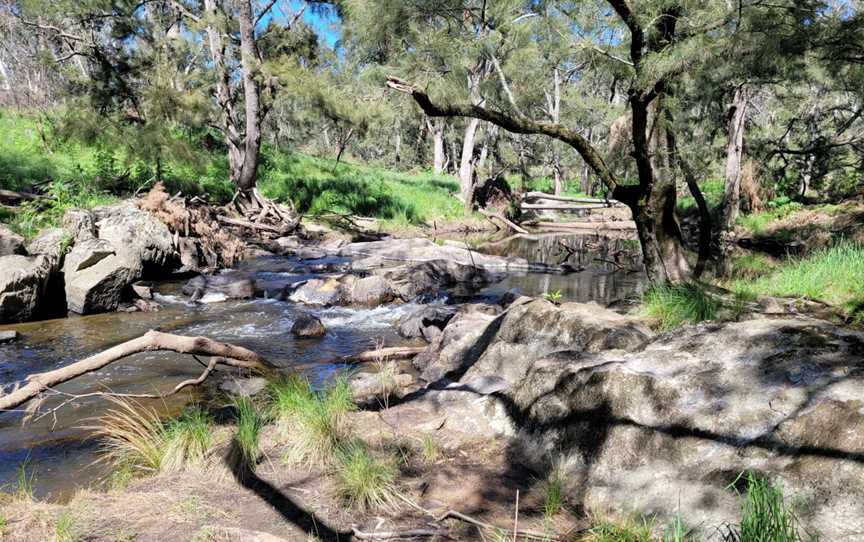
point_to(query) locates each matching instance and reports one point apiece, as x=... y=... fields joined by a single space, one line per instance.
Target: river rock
x=667 y=427
x=368 y=291
x=8 y=336
x=371 y=387
x=244 y=387
x=504 y=346
x=220 y=287
x=100 y=286
x=324 y=292
x=426 y=322
x=308 y=325
x=52 y=242
x=10 y=242
x=392 y=252
x=80 y=224
x=23 y=283
x=85 y=254
x=136 y=234
x=428 y=280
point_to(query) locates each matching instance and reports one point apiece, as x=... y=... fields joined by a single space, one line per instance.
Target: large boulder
x=426 y=322
x=136 y=234
x=430 y=279
x=506 y=345
x=52 y=242
x=391 y=252
x=317 y=292
x=10 y=242
x=668 y=428
x=100 y=286
x=212 y=288
x=114 y=246
x=23 y=282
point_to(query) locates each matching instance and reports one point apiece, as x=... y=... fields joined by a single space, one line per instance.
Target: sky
x=323 y=20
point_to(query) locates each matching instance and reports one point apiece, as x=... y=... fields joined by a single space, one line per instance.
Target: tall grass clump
x=135 y=437
x=311 y=422
x=765 y=515
x=250 y=421
x=676 y=304
x=66 y=529
x=833 y=275
x=364 y=481
x=26 y=481
x=628 y=531
x=553 y=494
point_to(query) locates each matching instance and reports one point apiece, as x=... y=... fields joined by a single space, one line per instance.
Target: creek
x=55 y=450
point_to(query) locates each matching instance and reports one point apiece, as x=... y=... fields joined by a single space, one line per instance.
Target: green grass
x=712 y=190
x=765 y=515
x=310 y=421
x=833 y=275
x=628 y=531
x=364 y=481
x=87 y=174
x=759 y=223
x=553 y=494
x=26 y=481
x=429 y=450
x=66 y=530
x=4 y=523
x=671 y=306
x=751 y=265
x=250 y=422
x=320 y=186
x=136 y=439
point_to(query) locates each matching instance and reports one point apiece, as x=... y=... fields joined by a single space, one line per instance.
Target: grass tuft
x=364 y=481
x=765 y=516
x=310 y=421
x=250 y=421
x=136 y=439
x=26 y=480
x=673 y=305
x=628 y=531
x=553 y=494
x=66 y=529
x=429 y=450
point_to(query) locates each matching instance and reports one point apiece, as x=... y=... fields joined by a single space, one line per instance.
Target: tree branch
x=227 y=354
x=521 y=125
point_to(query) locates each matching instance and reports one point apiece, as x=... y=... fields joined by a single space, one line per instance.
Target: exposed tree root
x=37 y=385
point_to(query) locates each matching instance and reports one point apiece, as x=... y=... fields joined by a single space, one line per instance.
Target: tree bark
x=228 y=354
x=249 y=63
x=734 y=152
x=466 y=164
x=436 y=128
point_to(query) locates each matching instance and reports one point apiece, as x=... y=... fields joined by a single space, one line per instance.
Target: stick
x=391 y=535
x=513 y=226
x=251 y=225
x=483 y=525
x=542 y=195
x=550 y=207
x=227 y=354
x=396 y=352
x=605 y=225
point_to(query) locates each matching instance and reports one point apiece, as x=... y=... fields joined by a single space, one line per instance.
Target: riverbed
x=54 y=449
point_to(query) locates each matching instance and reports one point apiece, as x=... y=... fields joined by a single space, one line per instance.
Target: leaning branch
x=227 y=354
x=516 y=125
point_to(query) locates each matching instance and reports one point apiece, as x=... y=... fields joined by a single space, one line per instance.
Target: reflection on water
x=56 y=447
x=609 y=267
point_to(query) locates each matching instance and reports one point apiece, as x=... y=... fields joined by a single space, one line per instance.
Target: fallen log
x=395 y=352
x=604 y=225
x=221 y=353
x=543 y=195
x=574 y=207
x=13 y=197
x=512 y=225
x=252 y=225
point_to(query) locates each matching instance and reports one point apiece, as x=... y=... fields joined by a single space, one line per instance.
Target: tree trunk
x=734 y=152
x=436 y=128
x=555 y=113
x=466 y=164
x=252 y=93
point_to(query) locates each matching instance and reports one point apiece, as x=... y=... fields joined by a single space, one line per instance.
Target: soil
x=283 y=502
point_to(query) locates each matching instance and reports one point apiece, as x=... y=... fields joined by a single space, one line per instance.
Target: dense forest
x=603 y=256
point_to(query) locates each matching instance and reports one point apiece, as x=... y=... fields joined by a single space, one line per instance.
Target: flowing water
x=55 y=450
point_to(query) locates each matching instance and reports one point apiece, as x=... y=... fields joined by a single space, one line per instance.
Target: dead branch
x=251 y=225
x=400 y=535
x=396 y=352
x=531 y=535
x=512 y=225
x=605 y=225
x=543 y=195
x=562 y=207
x=222 y=353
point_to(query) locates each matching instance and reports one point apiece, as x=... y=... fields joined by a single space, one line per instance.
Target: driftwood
x=599 y=225
x=251 y=225
x=513 y=226
x=562 y=207
x=221 y=353
x=395 y=352
x=400 y=535
x=552 y=197
x=13 y=197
